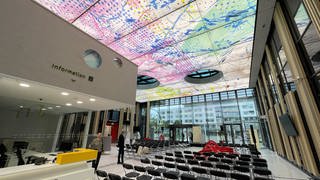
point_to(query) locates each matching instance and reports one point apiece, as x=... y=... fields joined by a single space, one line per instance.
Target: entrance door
x=234 y=134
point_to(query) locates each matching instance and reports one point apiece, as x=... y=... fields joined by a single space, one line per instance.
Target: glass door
x=234 y=134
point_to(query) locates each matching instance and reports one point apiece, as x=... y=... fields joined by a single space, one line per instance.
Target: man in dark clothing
x=121 y=147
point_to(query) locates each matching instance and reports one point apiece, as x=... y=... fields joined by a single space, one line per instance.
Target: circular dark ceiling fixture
x=203 y=76
x=146 y=82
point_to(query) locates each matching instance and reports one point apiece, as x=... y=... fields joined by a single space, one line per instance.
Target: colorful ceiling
x=169 y=39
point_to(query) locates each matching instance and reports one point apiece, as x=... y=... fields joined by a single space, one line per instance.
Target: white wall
x=36 y=129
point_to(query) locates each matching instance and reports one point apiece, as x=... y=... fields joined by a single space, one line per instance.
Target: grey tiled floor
x=280 y=168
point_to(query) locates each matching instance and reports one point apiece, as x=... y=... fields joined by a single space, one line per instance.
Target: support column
x=132 y=109
x=120 y=121
x=148 y=120
x=279 y=131
x=56 y=135
x=96 y=123
x=271 y=128
x=86 y=130
x=313 y=8
x=137 y=114
x=304 y=91
x=282 y=103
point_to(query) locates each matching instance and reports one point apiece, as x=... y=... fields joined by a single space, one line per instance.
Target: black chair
x=186 y=176
x=114 y=176
x=260 y=171
x=206 y=164
x=218 y=173
x=244 y=169
x=169 y=154
x=200 y=158
x=179 y=155
x=223 y=166
x=231 y=156
x=259 y=160
x=193 y=162
x=187 y=152
x=208 y=154
x=188 y=156
x=159 y=164
x=140 y=169
x=227 y=161
x=242 y=163
x=169 y=159
x=239 y=176
x=158 y=157
x=260 y=164
x=171 y=175
x=213 y=159
x=177 y=152
x=245 y=159
x=132 y=173
x=169 y=165
x=154 y=173
x=219 y=155
x=245 y=155
x=183 y=168
x=196 y=153
x=101 y=173
x=178 y=160
x=199 y=170
x=144 y=177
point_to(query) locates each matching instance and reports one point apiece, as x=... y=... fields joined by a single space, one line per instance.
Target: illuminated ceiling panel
x=169 y=39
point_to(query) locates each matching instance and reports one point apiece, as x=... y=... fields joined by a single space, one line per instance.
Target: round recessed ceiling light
x=43 y=109
x=50 y=108
x=92 y=58
x=58 y=106
x=21 y=106
x=68 y=104
x=92 y=99
x=79 y=102
x=24 y=85
x=65 y=93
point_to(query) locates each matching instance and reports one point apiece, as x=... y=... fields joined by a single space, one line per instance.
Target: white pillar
x=56 y=135
x=86 y=130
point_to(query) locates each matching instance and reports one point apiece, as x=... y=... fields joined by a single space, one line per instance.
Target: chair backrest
x=259 y=160
x=187 y=152
x=179 y=155
x=170 y=175
x=244 y=159
x=196 y=153
x=260 y=164
x=114 y=176
x=260 y=171
x=223 y=166
x=242 y=168
x=145 y=161
x=218 y=173
x=169 y=154
x=206 y=164
x=239 y=176
x=200 y=158
x=140 y=168
x=178 y=160
x=188 y=156
x=228 y=161
x=245 y=163
x=213 y=159
x=183 y=168
x=199 y=170
x=101 y=173
x=154 y=172
x=187 y=177
x=127 y=166
x=157 y=163
x=169 y=159
x=193 y=162
x=169 y=165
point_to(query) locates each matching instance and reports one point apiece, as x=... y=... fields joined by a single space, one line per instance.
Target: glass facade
x=210 y=111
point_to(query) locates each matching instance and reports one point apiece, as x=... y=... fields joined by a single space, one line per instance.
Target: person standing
x=121 y=147
x=97 y=145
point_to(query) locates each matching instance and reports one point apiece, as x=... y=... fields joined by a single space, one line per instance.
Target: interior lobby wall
x=35 y=128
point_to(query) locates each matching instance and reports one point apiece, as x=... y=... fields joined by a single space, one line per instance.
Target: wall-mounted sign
x=71 y=72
